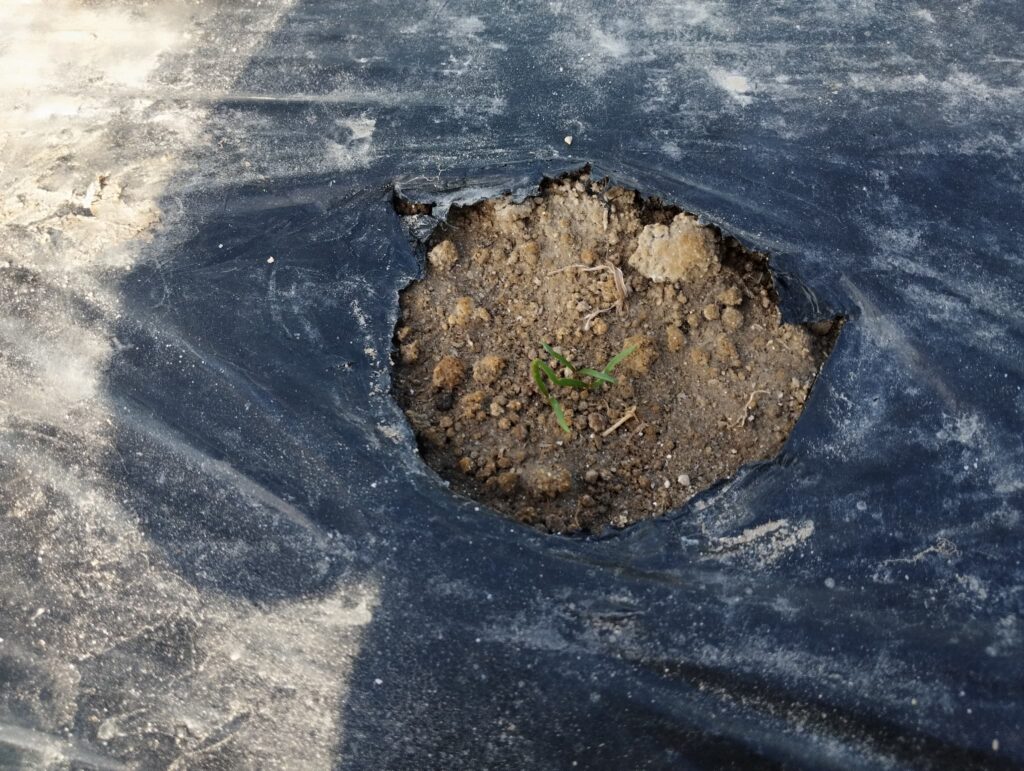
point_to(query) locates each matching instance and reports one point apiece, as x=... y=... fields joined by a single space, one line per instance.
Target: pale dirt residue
x=92 y=141
x=764 y=545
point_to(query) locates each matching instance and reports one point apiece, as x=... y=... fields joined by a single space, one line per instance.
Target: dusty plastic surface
x=247 y=557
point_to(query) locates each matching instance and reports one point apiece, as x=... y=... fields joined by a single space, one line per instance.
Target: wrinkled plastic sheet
x=854 y=602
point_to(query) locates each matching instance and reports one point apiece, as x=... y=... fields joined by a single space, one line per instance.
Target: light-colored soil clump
x=715 y=379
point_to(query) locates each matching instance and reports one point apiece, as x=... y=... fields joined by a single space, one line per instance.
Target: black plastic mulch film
x=855 y=602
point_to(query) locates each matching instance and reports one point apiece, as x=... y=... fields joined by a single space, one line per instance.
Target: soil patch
x=714 y=380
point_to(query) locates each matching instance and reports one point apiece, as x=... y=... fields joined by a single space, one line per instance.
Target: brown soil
x=716 y=380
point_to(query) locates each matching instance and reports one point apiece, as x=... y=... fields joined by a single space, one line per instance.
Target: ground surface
x=714 y=380
x=219 y=547
x=107 y=655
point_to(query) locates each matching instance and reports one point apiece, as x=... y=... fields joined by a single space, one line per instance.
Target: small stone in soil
x=547 y=481
x=732 y=318
x=443 y=256
x=674 y=338
x=730 y=296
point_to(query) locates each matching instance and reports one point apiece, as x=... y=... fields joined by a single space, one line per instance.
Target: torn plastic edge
x=440 y=205
x=442 y=193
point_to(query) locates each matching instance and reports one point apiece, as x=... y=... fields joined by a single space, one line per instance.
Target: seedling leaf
x=536 y=368
x=602 y=376
x=618 y=359
x=556 y=355
x=559 y=414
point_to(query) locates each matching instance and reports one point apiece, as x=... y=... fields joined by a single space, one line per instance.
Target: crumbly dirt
x=716 y=379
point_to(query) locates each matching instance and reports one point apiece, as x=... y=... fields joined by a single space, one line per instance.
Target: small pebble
x=732 y=318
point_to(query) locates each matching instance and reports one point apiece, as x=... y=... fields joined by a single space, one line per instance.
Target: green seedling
x=587 y=378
